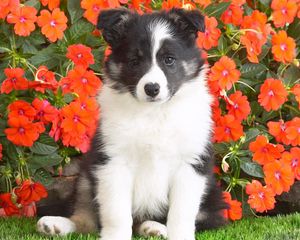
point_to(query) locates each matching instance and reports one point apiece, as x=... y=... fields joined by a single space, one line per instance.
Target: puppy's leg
x=151 y=228
x=83 y=219
x=187 y=189
x=114 y=196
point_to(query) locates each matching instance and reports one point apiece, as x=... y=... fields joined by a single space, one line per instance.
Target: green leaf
x=294 y=29
x=33 y=3
x=291 y=75
x=216 y=10
x=251 y=134
x=78 y=29
x=251 y=70
x=222 y=45
x=69 y=97
x=74 y=10
x=43 y=177
x=27 y=47
x=47 y=57
x=42 y=149
x=46 y=139
x=251 y=168
x=43 y=161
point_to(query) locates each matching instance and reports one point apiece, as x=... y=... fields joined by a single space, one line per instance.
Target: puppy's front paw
x=115 y=233
x=152 y=228
x=55 y=225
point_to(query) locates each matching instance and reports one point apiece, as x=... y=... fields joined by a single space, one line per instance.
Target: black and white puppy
x=150 y=166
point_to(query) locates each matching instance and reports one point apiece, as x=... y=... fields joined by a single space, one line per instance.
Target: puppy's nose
x=152 y=89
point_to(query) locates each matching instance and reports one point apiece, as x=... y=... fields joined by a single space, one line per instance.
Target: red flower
x=44 y=79
x=55 y=131
x=21 y=108
x=6 y=203
x=45 y=112
x=51 y=3
x=30 y=192
x=29 y=210
x=53 y=24
x=14 y=80
x=235 y=208
x=265 y=152
x=293 y=131
x=292 y=159
x=260 y=198
x=203 y=3
x=284 y=11
x=65 y=84
x=233 y=15
x=278 y=130
x=22 y=132
x=81 y=55
x=253 y=48
x=272 y=94
x=225 y=73
x=169 y=4
x=210 y=37
x=227 y=129
x=24 y=19
x=278 y=176
x=84 y=82
x=6 y=6
x=283 y=47
x=238 y=106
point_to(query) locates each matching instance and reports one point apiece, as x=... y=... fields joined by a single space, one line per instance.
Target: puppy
x=149 y=169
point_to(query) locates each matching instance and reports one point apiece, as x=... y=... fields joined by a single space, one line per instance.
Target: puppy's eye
x=169 y=61
x=133 y=62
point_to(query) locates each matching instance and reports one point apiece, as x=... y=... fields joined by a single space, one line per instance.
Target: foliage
x=49 y=80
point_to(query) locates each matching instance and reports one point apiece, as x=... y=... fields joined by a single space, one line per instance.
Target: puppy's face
x=152 y=55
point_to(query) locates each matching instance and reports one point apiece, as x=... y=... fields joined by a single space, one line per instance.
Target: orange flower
x=203 y=3
x=233 y=15
x=14 y=80
x=169 y=4
x=238 y=106
x=225 y=73
x=84 y=82
x=296 y=92
x=30 y=192
x=253 y=48
x=278 y=130
x=265 y=152
x=21 y=108
x=272 y=94
x=278 y=176
x=209 y=38
x=45 y=112
x=283 y=47
x=6 y=6
x=44 y=79
x=227 y=129
x=292 y=159
x=260 y=198
x=258 y=34
x=22 y=132
x=24 y=19
x=235 y=208
x=51 y=3
x=53 y=24
x=6 y=203
x=81 y=55
x=284 y=11
x=293 y=131
x=65 y=84
x=93 y=8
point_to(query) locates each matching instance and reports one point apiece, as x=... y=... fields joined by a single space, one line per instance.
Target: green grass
x=265 y=228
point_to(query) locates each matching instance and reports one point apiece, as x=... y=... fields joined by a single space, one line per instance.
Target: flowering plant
x=49 y=81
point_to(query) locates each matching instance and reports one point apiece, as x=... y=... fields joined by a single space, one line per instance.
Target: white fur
x=152 y=228
x=151 y=148
x=160 y=31
x=50 y=225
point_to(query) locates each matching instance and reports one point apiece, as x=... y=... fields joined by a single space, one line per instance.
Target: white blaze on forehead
x=160 y=31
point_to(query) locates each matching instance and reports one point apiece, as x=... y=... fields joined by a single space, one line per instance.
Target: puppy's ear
x=113 y=24
x=186 y=21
